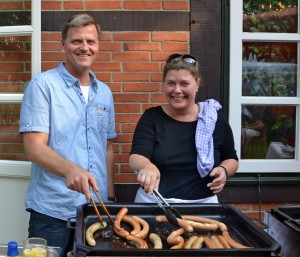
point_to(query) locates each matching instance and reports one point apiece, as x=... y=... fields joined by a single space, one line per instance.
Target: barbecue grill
x=239 y=226
x=283 y=224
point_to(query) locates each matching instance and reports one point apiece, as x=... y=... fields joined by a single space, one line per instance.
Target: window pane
x=270 y=16
x=269 y=69
x=268 y=132
x=15 y=13
x=15 y=63
x=11 y=145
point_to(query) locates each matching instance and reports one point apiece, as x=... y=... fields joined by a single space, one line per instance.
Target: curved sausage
x=189 y=242
x=223 y=242
x=133 y=223
x=215 y=239
x=221 y=225
x=139 y=242
x=181 y=222
x=89 y=234
x=203 y=226
x=232 y=242
x=178 y=246
x=156 y=241
x=117 y=223
x=175 y=237
x=145 y=227
x=209 y=243
x=198 y=242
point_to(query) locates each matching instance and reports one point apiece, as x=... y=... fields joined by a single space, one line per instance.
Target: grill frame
x=239 y=225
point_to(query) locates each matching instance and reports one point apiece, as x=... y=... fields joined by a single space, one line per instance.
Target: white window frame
x=22 y=168
x=236 y=100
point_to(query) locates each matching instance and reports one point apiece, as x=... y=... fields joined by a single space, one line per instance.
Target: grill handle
x=71 y=223
x=260 y=224
x=292 y=225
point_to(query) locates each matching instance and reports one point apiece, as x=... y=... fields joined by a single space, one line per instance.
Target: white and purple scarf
x=207 y=118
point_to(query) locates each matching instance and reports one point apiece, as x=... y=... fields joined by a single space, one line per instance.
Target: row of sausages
x=188 y=225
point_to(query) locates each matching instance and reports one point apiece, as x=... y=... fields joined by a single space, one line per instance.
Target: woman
x=184 y=149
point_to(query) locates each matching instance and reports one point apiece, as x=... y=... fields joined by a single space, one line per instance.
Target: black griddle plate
x=240 y=227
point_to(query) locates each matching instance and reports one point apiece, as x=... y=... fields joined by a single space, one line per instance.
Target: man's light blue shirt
x=53 y=103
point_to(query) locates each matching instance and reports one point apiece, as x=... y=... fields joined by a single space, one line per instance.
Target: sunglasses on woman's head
x=186 y=58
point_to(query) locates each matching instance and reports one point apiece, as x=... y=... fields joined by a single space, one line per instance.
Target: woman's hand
x=219 y=181
x=149 y=178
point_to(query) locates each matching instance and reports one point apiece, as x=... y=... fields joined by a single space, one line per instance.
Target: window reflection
x=11 y=144
x=270 y=16
x=269 y=69
x=15 y=63
x=268 y=132
x=15 y=13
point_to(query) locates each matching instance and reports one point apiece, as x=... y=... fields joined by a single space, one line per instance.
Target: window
x=19 y=34
x=264 y=84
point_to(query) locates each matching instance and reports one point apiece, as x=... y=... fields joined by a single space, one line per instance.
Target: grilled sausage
x=232 y=242
x=182 y=223
x=209 y=243
x=221 y=225
x=215 y=239
x=133 y=223
x=223 y=242
x=178 y=246
x=189 y=242
x=145 y=227
x=117 y=223
x=138 y=242
x=89 y=234
x=203 y=226
x=175 y=237
x=156 y=240
x=198 y=242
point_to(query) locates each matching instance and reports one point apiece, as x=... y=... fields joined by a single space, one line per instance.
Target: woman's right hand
x=149 y=178
x=148 y=174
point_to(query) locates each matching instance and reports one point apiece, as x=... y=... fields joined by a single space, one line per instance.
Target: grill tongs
x=170 y=212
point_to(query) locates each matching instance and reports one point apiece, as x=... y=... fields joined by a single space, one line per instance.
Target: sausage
x=145 y=227
x=223 y=242
x=178 y=246
x=138 y=242
x=232 y=242
x=156 y=240
x=209 y=243
x=221 y=225
x=181 y=222
x=203 y=226
x=215 y=239
x=117 y=223
x=91 y=230
x=133 y=223
x=175 y=237
x=189 y=242
x=197 y=243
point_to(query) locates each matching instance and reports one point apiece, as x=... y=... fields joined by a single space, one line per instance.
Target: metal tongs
x=170 y=212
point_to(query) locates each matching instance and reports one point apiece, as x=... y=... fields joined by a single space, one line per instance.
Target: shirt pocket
x=103 y=114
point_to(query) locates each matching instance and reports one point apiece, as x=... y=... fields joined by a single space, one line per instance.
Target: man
x=68 y=122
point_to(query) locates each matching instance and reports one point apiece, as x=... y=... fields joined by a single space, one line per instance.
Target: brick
x=131 y=56
x=141 y=66
x=103 y=5
x=131 y=76
x=114 y=87
x=170 y=36
x=121 y=158
x=127 y=98
x=73 y=5
x=107 y=66
x=158 y=98
x=175 y=47
x=141 y=46
x=130 y=36
x=51 y=36
x=127 y=108
x=123 y=138
x=11 y=67
x=51 y=46
x=49 y=65
x=142 y=5
x=125 y=178
x=116 y=46
x=141 y=87
x=15 y=5
x=53 y=56
x=126 y=148
x=179 y=5
x=125 y=118
x=51 y=5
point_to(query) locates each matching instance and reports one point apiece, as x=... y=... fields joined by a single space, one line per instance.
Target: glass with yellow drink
x=35 y=247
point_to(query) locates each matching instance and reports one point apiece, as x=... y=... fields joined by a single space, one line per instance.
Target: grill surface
x=239 y=226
